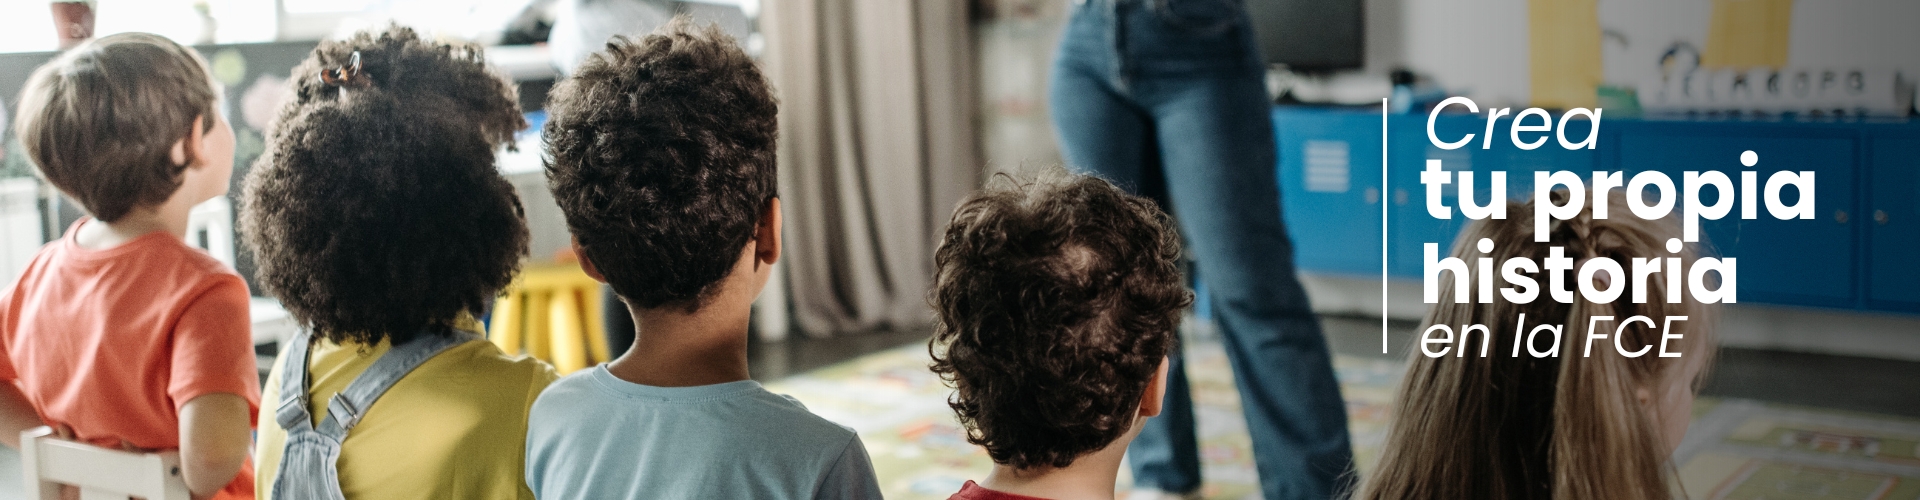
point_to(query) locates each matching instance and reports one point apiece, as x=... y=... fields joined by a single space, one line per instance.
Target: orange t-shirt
x=113 y=342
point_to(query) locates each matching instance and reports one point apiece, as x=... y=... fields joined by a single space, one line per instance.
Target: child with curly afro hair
x=379 y=221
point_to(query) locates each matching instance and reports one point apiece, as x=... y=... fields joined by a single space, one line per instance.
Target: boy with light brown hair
x=119 y=334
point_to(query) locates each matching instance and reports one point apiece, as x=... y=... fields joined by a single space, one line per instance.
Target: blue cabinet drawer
x=1893 y=221
x=1329 y=171
x=1411 y=226
x=1862 y=251
x=1805 y=262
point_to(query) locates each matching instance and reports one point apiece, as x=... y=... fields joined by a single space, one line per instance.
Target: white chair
x=210 y=228
x=100 y=474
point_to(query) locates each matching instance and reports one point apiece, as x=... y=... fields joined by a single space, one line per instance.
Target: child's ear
x=586 y=264
x=766 y=237
x=189 y=149
x=1150 y=400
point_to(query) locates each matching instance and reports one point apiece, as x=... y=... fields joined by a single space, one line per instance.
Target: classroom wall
x=1479 y=48
x=1476 y=48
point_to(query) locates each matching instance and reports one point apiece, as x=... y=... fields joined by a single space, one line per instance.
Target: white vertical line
x=1383 y=225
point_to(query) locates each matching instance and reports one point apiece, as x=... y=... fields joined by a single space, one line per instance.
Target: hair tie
x=347 y=75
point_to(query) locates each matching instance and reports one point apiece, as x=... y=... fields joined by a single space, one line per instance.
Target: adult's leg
x=1166 y=454
x=1217 y=147
x=1101 y=132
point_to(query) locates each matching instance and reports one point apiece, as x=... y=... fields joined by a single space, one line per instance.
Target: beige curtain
x=876 y=146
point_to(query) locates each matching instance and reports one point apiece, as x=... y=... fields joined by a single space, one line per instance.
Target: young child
x=662 y=158
x=378 y=219
x=1573 y=426
x=119 y=334
x=1056 y=302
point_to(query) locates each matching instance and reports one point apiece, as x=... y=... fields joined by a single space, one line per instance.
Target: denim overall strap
x=292 y=413
x=308 y=463
x=346 y=408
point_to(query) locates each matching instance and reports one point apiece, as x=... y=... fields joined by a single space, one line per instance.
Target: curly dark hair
x=661 y=154
x=376 y=212
x=1056 y=300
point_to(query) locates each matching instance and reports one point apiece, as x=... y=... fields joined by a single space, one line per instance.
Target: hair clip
x=347 y=75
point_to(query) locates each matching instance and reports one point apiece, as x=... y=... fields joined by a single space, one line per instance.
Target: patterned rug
x=1740 y=450
x=1736 y=449
x=920 y=452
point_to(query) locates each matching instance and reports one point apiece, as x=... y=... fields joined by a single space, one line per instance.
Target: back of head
x=1056 y=301
x=1509 y=427
x=100 y=120
x=377 y=211
x=661 y=154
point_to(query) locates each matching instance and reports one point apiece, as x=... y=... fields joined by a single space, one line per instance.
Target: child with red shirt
x=1056 y=301
x=119 y=334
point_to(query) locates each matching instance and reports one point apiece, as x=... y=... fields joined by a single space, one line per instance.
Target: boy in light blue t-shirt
x=661 y=154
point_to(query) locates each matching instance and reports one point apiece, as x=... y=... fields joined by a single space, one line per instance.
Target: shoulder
x=197 y=274
x=482 y=360
x=188 y=264
x=581 y=380
x=208 y=295
x=788 y=413
x=475 y=373
x=567 y=395
x=199 y=260
x=558 y=415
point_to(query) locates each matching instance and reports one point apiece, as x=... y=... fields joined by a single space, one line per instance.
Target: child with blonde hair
x=1573 y=426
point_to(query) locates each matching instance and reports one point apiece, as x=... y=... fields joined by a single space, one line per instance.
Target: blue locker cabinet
x=1803 y=262
x=1329 y=172
x=1861 y=252
x=1893 y=220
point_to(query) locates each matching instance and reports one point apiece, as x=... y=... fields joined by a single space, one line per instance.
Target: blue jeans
x=1166 y=97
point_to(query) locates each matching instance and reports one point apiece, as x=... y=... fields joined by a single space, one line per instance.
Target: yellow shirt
x=456 y=427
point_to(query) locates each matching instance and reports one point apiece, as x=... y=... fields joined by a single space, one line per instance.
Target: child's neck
x=169 y=217
x=1090 y=477
x=675 y=348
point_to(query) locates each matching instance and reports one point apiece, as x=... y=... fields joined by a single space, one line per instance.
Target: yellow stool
x=552 y=313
